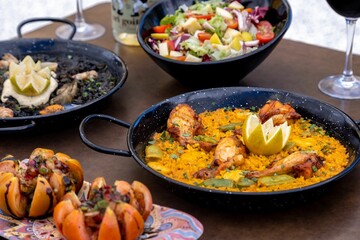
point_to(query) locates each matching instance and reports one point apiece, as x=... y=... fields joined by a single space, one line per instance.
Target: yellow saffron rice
x=180 y=163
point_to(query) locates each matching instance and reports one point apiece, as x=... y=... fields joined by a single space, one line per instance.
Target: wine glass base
x=83 y=33
x=340 y=86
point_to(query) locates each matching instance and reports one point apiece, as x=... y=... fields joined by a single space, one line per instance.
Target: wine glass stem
x=79 y=17
x=350 y=32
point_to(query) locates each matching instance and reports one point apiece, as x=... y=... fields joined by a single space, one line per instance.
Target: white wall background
x=313 y=20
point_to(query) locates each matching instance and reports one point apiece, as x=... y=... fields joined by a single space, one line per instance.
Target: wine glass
x=84 y=31
x=347 y=85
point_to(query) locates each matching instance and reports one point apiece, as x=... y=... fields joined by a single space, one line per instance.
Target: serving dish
x=53 y=48
x=162 y=223
x=215 y=73
x=333 y=120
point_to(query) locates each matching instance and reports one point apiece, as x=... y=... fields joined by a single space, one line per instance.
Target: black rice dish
x=68 y=66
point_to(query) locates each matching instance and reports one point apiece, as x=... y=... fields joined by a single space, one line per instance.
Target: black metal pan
x=55 y=47
x=154 y=119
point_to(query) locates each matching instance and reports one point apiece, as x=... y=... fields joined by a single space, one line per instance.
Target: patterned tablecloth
x=163 y=223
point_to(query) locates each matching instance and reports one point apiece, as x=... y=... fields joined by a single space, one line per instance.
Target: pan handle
x=18 y=128
x=30 y=20
x=98 y=148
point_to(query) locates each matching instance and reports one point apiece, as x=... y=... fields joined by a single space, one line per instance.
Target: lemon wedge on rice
x=264 y=139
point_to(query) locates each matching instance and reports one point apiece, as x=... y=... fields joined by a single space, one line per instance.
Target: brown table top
x=292 y=66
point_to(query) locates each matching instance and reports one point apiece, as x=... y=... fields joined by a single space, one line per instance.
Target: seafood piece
x=278 y=112
x=110 y=212
x=10 y=58
x=6 y=112
x=33 y=187
x=6 y=60
x=183 y=124
x=52 y=109
x=51 y=65
x=85 y=75
x=297 y=163
x=229 y=152
x=66 y=93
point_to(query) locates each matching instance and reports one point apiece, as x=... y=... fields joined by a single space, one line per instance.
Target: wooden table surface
x=292 y=66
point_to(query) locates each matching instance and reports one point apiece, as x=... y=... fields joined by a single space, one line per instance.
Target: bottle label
x=126 y=15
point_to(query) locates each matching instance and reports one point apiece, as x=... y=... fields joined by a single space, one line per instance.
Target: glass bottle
x=125 y=19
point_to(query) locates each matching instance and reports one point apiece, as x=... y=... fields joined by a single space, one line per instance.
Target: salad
x=211 y=30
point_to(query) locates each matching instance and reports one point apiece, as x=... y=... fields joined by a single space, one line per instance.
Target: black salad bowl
x=227 y=72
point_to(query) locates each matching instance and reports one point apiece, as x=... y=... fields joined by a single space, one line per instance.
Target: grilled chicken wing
x=297 y=163
x=278 y=112
x=183 y=124
x=229 y=152
x=229 y=149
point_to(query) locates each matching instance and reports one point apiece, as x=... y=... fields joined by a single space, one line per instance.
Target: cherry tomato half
x=265 y=32
x=232 y=23
x=202 y=36
x=161 y=28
